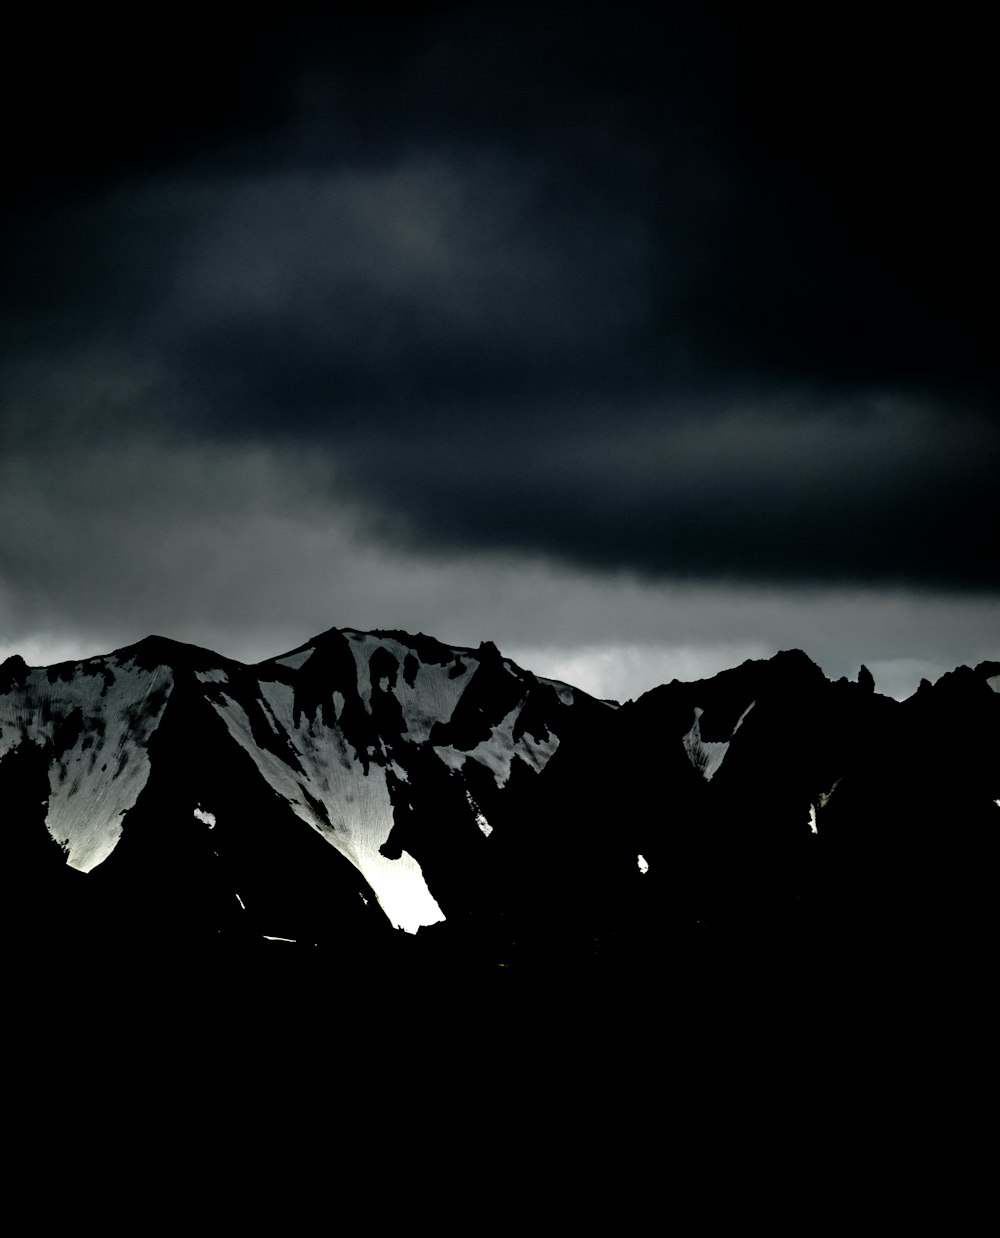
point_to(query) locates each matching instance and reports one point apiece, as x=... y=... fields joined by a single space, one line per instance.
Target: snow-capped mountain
x=368 y=739
x=366 y=782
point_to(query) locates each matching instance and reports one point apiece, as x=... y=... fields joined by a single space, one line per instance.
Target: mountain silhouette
x=378 y=800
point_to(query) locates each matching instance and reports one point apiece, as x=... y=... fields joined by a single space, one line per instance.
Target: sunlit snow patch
x=643 y=864
x=207 y=817
x=332 y=792
x=812 y=819
x=481 y=821
x=401 y=890
x=994 y=682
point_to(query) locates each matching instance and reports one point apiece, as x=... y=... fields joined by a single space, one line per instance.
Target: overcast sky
x=636 y=348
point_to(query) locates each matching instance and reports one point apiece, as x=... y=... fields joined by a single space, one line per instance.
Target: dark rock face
x=366 y=780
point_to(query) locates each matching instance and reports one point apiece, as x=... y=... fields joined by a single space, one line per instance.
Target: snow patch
x=497 y=753
x=452 y=757
x=536 y=752
x=215 y=675
x=363 y=647
x=812 y=818
x=994 y=682
x=477 y=812
x=643 y=864
x=348 y=807
x=207 y=817
x=825 y=796
x=436 y=687
x=98 y=731
x=293 y=661
x=278 y=699
x=562 y=690
x=707 y=755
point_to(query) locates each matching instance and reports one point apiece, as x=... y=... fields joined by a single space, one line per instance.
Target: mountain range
x=378 y=799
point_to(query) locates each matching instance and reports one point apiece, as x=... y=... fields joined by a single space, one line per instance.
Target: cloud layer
x=467 y=311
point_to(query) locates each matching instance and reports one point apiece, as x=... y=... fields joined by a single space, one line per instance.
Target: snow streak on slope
x=96 y=722
x=340 y=730
x=340 y=768
x=481 y=821
x=294 y=660
x=433 y=693
x=707 y=755
x=333 y=793
x=215 y=675
x=497 y=753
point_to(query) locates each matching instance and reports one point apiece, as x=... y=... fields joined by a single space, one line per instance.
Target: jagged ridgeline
x=377 y=795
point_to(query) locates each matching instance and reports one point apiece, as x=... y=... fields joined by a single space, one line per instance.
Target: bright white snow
x=103 y=764
x=643 y=864
x=358 y=812
x=477 y=812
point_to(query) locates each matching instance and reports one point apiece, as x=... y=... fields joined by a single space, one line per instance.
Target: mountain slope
x=163 y=754
x=366 y=782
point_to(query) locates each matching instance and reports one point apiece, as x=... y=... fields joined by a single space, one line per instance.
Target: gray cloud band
x=482 y=377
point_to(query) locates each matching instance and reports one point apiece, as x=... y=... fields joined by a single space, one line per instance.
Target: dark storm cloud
x=881 y=493
x=528 y=280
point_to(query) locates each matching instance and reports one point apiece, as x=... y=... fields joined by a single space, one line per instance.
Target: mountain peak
x=13 y=670
x=154 y=650
x=794 y=658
